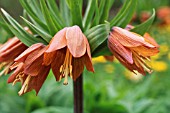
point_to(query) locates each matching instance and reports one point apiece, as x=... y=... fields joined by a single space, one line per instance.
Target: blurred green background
x=111 y=89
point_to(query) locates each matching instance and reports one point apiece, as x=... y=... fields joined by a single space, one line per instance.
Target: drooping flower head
x=67 y=53
x=28 y=69
x=131 y=49
x=8 y=52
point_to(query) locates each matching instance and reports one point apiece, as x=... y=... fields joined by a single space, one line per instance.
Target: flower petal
x=35 y=67
x=49 y=58
x=13 y=52
x=116 y=47
x=36 y=82
x=23 y=56
x=75 y=41
x=33 y=62
x=78 y=66
x=150 y=40
x=58 y=41
x=10 y=43
x=128 y=39
x=88 y=59
x=145 y=51
x=56 y=64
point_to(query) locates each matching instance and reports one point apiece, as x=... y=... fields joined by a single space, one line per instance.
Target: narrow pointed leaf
x=32 y=15
x=105 y=13
x=55 y=13
x=51 y=26
x=17 y=29
x=89 y=14
x=142 y=28
x=126 y=16
x=5 y=27
x=47 y=37
x=76 y=13
x=97 y=15
x=65 y=12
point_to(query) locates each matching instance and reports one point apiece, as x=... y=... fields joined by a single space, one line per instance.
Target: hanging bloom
x=28 y=69
x=67 y=53
x=8 y=52
x=131 y=49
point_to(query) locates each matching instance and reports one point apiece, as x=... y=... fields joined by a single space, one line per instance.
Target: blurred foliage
x=112 y=89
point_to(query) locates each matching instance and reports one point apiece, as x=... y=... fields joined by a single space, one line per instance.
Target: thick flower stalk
x=132 y=50
x=67 y=54
x=8 y=52
x=28 y=69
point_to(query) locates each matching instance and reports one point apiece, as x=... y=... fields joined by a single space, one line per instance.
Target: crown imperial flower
x=131 y=49
x=28 y=69
x=67 y=53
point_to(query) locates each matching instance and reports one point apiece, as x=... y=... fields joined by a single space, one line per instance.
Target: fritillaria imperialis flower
x=131 y=49
x=67 y=53
x=8 y=52
x=29 y=69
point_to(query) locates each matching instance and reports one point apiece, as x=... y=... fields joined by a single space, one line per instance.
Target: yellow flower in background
x=159 y=66
x=109 y=68
x=99 y=59
x=164 y=48
x=132 y=76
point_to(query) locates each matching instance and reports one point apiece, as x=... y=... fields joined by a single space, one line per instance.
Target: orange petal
x=36 y=82
x=75 y=41
x=49 y=58
x=88 y=59
x=23 y=56
x=10 y=43
x=56 y=64
x=150 y=40
x=35 y=67
x=34 y=61
x=145 y=51
x=59 y=41
x=128 y=39
x=78 y=67
x=12 y=52
x=116 y=47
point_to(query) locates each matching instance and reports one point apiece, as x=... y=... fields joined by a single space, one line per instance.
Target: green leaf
x=142 y=28
x=97 y=15
x=89 y=14
x=55 y=13
x=17 y=29
x=76 y=13
x=111 y=3
x=105 y=12
x=37 y=19
x=53 y=110
x=97 y=35
x=65 y=12
x=5 y=27
x=47 y=37
x=126 y=14
x=51 y=26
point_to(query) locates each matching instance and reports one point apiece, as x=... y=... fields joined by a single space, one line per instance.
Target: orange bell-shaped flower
x=67 y=53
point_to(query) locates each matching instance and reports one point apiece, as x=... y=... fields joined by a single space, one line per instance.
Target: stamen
x=6 y=69
x=25 y=86
x=66 y=68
